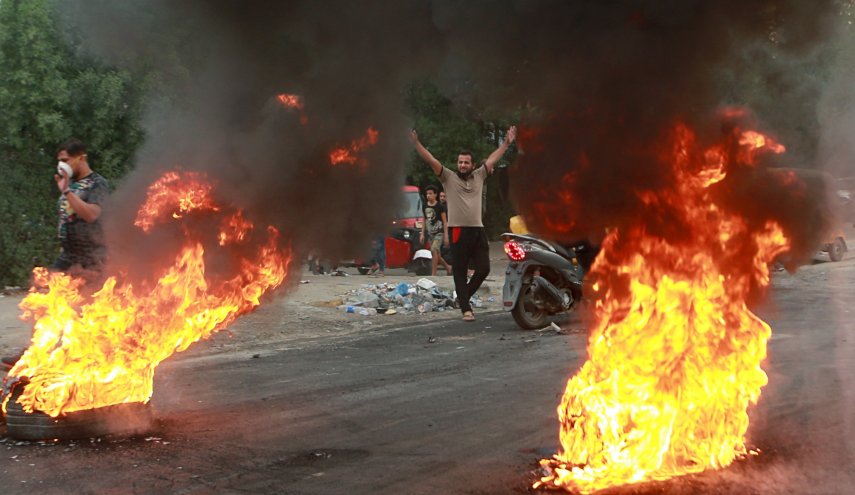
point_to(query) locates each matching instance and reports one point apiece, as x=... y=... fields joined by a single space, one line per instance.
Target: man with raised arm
x=83 y=193
x=463 y=190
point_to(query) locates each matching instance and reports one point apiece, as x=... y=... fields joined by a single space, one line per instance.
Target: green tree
x=48 y=93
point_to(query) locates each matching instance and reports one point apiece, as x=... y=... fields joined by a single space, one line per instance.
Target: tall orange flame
x=674 y=353
x=100 y=350
x=350 y=154
x=172 y=196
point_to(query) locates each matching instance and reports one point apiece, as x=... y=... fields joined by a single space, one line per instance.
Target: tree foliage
x=49 y=92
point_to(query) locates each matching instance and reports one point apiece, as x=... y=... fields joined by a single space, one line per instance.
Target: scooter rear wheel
x=527 y=315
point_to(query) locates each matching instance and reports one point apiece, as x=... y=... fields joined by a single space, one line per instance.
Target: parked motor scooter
x=543 y=278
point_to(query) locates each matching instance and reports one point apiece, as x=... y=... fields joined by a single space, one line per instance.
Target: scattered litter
x=364 y=297
x=431 y=340
x=256 y=356
x=551 y=327
x=425 y=296
x=305 y=281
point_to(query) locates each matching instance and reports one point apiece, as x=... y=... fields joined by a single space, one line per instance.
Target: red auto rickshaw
x=403 y=249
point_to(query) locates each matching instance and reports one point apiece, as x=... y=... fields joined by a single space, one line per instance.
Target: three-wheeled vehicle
x=835 y=202
x=402 y=247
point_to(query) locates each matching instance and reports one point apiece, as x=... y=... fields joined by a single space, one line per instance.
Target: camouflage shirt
x=82 y=241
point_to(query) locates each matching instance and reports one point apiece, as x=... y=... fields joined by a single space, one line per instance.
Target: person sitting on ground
x=435 y=230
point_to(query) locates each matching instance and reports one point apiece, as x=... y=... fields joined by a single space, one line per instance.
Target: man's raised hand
x=512 y=134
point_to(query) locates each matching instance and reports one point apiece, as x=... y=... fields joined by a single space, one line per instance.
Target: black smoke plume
x=598 y=84
x=221 y=65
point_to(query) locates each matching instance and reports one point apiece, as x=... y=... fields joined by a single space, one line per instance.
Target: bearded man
x=464 y=190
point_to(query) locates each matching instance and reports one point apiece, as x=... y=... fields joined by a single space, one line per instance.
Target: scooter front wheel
x=526 y=313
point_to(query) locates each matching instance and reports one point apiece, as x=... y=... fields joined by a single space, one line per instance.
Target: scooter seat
x=567 y=253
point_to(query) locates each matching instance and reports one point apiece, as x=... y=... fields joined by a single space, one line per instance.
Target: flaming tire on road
x=98 y=350
x=674 y=353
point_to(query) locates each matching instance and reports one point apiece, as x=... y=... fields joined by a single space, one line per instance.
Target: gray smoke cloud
x=601 y=80
x=836 y=112
x=223 y=63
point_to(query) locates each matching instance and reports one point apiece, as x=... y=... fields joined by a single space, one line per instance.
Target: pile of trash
x=422 y=297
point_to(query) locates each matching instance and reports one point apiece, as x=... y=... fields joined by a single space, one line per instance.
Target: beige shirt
x=463 y=197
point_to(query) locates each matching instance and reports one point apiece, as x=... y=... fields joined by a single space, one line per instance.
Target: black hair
x=432 y=188
x=74 y=147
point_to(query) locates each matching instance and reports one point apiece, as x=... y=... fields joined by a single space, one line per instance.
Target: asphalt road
x=446 y=408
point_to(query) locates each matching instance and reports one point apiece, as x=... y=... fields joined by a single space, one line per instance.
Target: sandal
x=468 y=316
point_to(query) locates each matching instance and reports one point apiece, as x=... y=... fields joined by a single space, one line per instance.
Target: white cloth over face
x=64 y=169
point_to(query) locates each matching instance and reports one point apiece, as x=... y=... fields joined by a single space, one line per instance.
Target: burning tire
x=121 y=419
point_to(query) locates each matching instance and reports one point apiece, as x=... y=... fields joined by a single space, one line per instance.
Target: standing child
x=435 y=229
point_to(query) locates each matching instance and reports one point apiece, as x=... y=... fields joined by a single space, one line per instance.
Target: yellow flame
x=675 y=353
x=89 y=352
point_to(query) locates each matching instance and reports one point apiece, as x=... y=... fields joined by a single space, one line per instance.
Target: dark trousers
x=379 y=257
x=468 y=246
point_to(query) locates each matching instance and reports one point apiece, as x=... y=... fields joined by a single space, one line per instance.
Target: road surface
x=444 y=407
